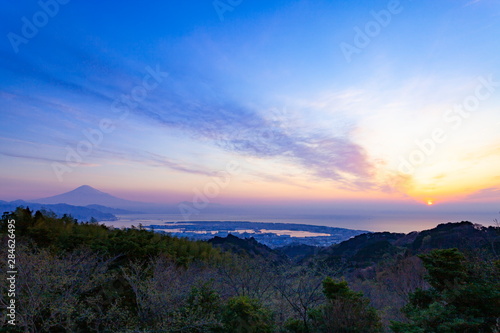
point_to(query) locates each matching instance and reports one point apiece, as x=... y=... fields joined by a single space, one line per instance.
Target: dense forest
x=86 y=277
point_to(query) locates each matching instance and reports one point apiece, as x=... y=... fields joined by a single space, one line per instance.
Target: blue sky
x=265 y=86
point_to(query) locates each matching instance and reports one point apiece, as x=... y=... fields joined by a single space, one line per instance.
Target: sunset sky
x=258 y=102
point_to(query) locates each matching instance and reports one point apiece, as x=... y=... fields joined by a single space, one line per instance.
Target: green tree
x=246 y=315
x=345 y=311
x=202 y=312
x=464 y=296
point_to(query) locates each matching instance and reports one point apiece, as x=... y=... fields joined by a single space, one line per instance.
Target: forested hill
x=367 y=249
x=248 y=247
x=370 y=248
x=86 y=277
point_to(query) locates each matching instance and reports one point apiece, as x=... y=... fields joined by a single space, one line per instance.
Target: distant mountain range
x=82 y=203
x=78 y=212
x=111 y=210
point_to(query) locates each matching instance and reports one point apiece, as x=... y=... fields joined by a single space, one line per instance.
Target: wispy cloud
x=152 y=160
x=162 y=161
x=42 y=159
x=247 y=132
x=486 y=193
x=473 y=2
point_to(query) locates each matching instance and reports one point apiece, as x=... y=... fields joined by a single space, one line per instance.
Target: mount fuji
x=86 y=195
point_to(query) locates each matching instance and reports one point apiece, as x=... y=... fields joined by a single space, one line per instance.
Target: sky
x=392 y=104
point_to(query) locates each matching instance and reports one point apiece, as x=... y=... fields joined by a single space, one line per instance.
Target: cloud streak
x=153 y=160
x=486 y=193
x=242 y=130
x=43 y=159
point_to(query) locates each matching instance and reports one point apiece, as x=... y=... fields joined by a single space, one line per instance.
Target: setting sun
x=430 y=202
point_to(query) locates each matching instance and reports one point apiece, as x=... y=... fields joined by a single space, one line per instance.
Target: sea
x=390 y=221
